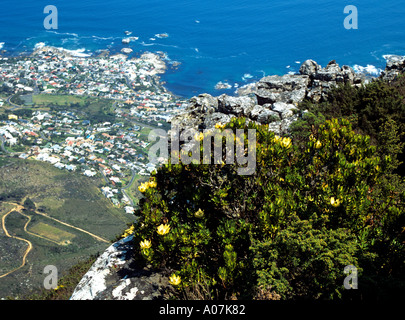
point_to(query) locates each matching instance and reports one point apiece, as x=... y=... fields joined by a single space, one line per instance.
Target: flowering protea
x=286 y=142
x=199 y=136
x=145 y=244
x=143 y=187
x=174 y=280
x=199 y=213
x=334 y=202
x=152 y=184
x=163 y=229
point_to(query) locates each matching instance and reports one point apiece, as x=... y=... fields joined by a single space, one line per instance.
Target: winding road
x=18 y=208
x=29 y=248
x=129 y=185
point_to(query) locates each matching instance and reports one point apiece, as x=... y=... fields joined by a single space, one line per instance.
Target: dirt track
x=18 y=208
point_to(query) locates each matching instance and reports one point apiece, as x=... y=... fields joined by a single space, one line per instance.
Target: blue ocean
x=232 y=41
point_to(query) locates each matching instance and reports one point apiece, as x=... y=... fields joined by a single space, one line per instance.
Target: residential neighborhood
x=63 y=135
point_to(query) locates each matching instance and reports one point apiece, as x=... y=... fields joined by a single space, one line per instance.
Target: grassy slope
x=69 y=197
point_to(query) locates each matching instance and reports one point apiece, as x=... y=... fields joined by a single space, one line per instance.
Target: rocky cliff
x=273 y=100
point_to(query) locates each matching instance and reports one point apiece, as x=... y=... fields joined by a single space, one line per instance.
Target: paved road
x=15 y=106
x=129 y=185
x=123 y=188
x=141 y=124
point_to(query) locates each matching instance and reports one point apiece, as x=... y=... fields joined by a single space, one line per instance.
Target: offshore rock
x=115 y=276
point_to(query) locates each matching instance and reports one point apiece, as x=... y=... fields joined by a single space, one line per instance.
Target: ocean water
x=233 y=41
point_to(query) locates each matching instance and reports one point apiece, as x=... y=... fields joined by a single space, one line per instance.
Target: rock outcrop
x=272 y=100
x=395 y=67
x=115 y=276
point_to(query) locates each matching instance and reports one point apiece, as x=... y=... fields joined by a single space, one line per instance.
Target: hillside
x=65 y=220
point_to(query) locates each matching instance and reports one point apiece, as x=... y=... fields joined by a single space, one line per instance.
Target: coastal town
x=90 y=115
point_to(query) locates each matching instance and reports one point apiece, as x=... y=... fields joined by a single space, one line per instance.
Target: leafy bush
x=376 y=109
x=288 y=230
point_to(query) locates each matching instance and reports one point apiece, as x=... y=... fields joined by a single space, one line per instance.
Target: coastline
x=230 y=87
x=157 y=61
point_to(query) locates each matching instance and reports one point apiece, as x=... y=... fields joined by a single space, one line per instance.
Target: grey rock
x=115 y=276
x=285 y=110
x=395 y=66
x=309 y=67
x=247 y=89
x=333 y=67
x=348 y=73
x=286 y=82
x=203 y=103
x=198 y=108
x=239 y=106
x=287 y=88
x=217 y=117
x=264 y=115
x=282 y=127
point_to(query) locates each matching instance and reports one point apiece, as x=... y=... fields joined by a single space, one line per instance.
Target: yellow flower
x=146 y=185
x=199 y=136
x=152 y=184
x=334 y=202
x=318 y=144
x=128 y=231
x=163 y=229
x=276 y=138
x=286 y=142
x=219 y=125
x=143 y=187
x=199 y=213
x=145 y=244
x=174 y=280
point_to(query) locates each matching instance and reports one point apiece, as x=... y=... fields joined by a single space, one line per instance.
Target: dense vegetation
x=329 y=196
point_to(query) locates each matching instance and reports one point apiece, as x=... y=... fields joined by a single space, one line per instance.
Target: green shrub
x=376 y=109
x=288 y=230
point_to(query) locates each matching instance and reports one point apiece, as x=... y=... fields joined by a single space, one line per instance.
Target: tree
x=29 y=204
